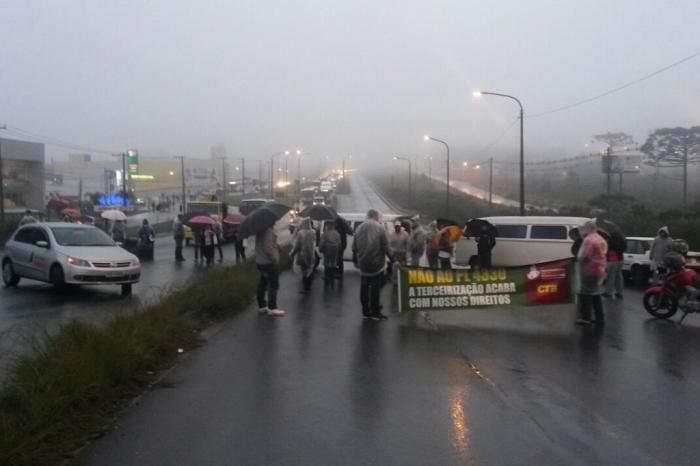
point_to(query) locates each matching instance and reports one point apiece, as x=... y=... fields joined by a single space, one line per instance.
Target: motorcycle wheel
x=660 y=305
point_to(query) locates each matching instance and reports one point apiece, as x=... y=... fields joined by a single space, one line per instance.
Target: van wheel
x=126 y=289
x=58 y=278
x=8 y=274
x=639 y=276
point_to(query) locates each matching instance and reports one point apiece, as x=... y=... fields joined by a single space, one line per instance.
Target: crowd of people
x=208 y=240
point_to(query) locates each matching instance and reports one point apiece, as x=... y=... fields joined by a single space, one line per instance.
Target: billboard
x=132 y=162
x=628 y=163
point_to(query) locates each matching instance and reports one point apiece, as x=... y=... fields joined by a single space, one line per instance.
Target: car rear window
x=511 y=231
x=548 y=232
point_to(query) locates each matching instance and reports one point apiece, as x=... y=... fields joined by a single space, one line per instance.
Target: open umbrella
x=263 y=218
x=319 y=212
x=113 y=214
x=70 y=212
x=234 y=219
x=478 y=227
x=201 y=220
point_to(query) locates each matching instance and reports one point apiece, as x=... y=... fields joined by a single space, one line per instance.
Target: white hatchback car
x=67 y=253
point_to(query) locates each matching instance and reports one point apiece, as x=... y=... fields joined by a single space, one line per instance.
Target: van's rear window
x=548 y=232
x=511 y=231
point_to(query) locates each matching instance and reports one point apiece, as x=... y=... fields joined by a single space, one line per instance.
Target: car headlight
x=78 y=262
x=135 y=262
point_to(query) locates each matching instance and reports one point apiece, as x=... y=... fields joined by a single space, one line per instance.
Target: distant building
x=22 y=174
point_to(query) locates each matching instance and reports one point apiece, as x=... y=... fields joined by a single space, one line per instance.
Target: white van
x=355 y=220
x=523 y=241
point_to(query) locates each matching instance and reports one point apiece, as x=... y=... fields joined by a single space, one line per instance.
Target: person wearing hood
x=370 y=249
x=304 y=253
x=659 y=248
x=591 y=257
x=27 y=218
x=432 y=252
x=342 y=227
x=147 y=237
x=329 y=246
x=416 y=243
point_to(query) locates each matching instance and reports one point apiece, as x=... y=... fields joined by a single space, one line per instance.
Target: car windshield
x=76 y=236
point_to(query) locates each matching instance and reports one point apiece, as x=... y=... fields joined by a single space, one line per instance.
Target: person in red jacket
x=591 y=258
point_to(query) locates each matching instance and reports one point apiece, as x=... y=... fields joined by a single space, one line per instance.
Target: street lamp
x=447 y=148
x=298 y=154
x=478 y=94
x=396 y=157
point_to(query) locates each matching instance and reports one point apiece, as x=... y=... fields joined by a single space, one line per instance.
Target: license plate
x=115 y=274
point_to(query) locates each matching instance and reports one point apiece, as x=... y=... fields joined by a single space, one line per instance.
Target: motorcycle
x=680 y=289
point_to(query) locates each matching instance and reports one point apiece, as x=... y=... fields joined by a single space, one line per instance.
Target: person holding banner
x=416 y=243
x=592 y=261
x=432 y=251
x=369 y=251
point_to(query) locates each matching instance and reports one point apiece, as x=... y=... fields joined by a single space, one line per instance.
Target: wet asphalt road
x=486 y=387
x=501 y=386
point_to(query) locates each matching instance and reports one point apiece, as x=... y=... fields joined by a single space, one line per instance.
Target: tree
x=674 y=147
x=614 y=139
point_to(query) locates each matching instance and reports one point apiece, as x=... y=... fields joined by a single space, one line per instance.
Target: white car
x=636 y=262
x=67 y=253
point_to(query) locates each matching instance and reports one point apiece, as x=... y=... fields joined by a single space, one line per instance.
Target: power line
x=36 y=137
x=617 y=89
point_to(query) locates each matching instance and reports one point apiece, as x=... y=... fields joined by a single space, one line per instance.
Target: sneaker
x=581 y=321
x=263 y=310
x=275 y=312
x=618 y=295
x=378 y=316
x=607 y=295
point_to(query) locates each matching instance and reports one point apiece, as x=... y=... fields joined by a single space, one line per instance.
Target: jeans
x=178 y=248
x=240 y=252
x=432 y=260
x=594 y=301
x=613 y=279
x=370 y=287
x=445 y=263
x=269 y=283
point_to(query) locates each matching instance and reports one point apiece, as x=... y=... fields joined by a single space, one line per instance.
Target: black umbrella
x=319 y=212
x=263 y=218
x=343 y=226
x=478 y=227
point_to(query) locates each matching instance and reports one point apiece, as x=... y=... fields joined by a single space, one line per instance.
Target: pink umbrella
x=234 y=219
x=201 y=220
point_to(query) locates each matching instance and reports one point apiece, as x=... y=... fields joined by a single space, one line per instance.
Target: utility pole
x=490 y=181
x=80 y=195
x=243 y=176
x=183 y=203
x=124 y=195
x=685 y=170
x=223 y=178
x=2 y=188
x=608 y=169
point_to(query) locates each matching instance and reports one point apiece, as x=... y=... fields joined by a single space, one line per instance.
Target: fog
x=366 y=78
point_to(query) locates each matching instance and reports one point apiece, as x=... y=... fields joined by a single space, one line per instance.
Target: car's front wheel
x=58 y=277
x=8 y=274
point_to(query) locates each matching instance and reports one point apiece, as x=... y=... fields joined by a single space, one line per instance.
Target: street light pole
x=299 y=153
x=490 y=181
x=2 y=188
x=243 y=176
x=396 y=157
x=272 y=172
x=522 y=148
x=183 y=203
x=123 y=156
x=447 y=148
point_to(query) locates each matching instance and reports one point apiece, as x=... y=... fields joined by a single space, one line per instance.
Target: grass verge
x=76 y=381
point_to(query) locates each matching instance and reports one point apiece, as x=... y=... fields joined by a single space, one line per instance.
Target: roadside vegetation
x=635 y=218
x=76 y=381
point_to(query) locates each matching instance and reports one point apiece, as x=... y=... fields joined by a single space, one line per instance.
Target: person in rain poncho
x=267 y=259
x=398 y=242
x=370 y=248
x=119 y=231
x=416 y=243
x=329 y=246
x=27 y=218
x=431 y=252
x=304 y=253
x=659 y=248
x=591 y=258
x=342 y=227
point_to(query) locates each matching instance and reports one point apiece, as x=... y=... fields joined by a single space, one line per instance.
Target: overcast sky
x=361 y=77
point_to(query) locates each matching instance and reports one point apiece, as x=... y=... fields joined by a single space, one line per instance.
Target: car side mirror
x=42 y=244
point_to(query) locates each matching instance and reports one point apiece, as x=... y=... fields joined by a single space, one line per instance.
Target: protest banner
x=422 y=289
